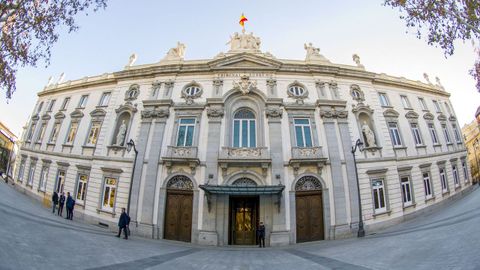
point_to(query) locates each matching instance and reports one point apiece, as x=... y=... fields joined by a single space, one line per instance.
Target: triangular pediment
x=245 y=61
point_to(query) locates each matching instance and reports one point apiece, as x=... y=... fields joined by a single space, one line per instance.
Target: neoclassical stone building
x=243 y=138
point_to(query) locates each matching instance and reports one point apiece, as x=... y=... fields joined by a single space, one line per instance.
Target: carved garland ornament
x=162 y=113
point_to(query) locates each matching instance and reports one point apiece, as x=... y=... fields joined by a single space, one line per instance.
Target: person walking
x=54 y=201
x=69 y=206
x=61 y=203
x=123 y=223
x=261 y=235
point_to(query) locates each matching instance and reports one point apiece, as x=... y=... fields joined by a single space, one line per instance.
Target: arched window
x=244 y=182
x=180 y=182
x=308 y=183
x=244 y=129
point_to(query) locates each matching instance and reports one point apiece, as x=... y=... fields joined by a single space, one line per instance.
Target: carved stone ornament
x=213 y=112
x=411 y=115
x=59 y=115
x=357 y=93
x=245 y=85
x=271 y=82
x=217 y=82
x=176 y=53
x=428 y=116
x=182 y=151
x=132 y=92
x=360 y=107
x=244 y=42
x=35 y=117
x=191 y=92
x=313 y=53
x=162 y=113
x=452 y=118
x=274 y=112
x=333 y=113
x=391 y=113
x=76 y=114
x=308 y=152
x=180 y=182
x=131 y=60
x=244 y=152
x=356 y=59
x=308 y=183
x=46 y=116
x=442 y=117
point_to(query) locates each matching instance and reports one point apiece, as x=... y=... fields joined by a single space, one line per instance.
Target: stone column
x=338 y=190
x=141 y=145
x=320 y=86
x=215 y=115
x=347 y=148
x=272 y=87
x=217 y=87
x=279 y=235
x=159 y=115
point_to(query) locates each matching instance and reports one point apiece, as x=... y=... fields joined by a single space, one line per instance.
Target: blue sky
x=107 y=38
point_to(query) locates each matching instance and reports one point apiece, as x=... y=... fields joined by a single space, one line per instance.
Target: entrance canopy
x=242 y=189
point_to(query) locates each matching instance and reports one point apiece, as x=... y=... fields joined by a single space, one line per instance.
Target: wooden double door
x=309 y=212
x=243 y=220
x=178 y=215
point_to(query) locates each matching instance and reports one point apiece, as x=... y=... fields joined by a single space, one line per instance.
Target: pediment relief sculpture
x=244 y=42
x=411 y=115
x=391 y=113
x=428 y=116
x=245 y=85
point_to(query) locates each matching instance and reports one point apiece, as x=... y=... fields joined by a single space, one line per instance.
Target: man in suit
x=123 y=223
x=70 y=204
x=261 y=235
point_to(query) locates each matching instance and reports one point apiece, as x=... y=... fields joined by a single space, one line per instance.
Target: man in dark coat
x=54 y=201
x=123 y=223
x=61 y=203
x=261 y=235
x=70 y=203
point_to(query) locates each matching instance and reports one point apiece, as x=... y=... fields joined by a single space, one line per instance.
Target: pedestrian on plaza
x=123 y=223
x=70 y=203
x=261 y=235
x=61 y=203
x=54 y=201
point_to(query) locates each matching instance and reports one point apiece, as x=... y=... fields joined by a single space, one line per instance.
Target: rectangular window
x=244 y=134
x=458 y=139
x=394 y=134
x=83 y=101
x=186 y=129
x=427 y=185
x=81 y=188
x=383 y=99
x=447 y=107
x=433 y=133
x=41 y=132
x=65 y=103
x=456 y=181
x=104 y=99
x=443 y=180
x=50 y=105
x=416 y=134
x=405 y=102
x=446 y=134
x=465 y=171
x=72 y=132
x=423 y=105
x=437 y=106
x=109 y=193
x=379 y=201
x=21 y=170
x=303 y=133
x=93 y=133
x=31 y=131
x=43 y=179
x=406 y=191
x=54 y=135
x=60 y=181
x=31 y=174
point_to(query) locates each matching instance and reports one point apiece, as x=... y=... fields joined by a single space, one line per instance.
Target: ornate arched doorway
x=309 y=209
x=178 y=211
x=243 y=215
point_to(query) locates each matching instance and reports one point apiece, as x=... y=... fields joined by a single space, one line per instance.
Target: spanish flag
x=242 y=21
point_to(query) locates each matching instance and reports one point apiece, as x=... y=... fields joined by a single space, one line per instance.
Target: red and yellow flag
x=242 y=21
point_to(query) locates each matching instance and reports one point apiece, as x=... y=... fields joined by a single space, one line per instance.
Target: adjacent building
x=8 y=150
x=471 y=135
x=203 y=150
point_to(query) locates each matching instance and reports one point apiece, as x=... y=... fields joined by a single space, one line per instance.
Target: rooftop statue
x=132 y=60
x=356 y=59
x=244 y=42
x=313 y=53
x=425 y=76
x=61 y=78
x=177 y=53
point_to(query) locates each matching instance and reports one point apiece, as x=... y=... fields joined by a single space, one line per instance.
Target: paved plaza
x=34 y=238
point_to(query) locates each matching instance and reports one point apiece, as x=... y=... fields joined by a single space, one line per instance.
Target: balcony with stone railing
x=307 y=156
x=182 y=155
x=244 y=156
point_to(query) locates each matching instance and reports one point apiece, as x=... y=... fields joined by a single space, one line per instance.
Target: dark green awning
x=243 y=189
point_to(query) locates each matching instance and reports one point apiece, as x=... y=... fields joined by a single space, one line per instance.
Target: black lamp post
x=361 y=231
x=131 y=144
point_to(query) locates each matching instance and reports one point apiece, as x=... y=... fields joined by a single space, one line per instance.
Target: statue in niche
x=122 y=130
x=368 y=134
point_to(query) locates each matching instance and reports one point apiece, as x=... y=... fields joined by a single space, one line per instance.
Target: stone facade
x=245 y=123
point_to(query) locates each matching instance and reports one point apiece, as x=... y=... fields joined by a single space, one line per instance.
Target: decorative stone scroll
x=180 y=182
x=308 y=183
x=333 y=113
x=162 y=113
x=274 y=112
x=215 y=112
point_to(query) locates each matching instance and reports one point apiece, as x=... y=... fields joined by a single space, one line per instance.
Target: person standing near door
x=61 y=203
x=123 y=223
x=69 y=206
x=54 y=201
x=261 y=235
